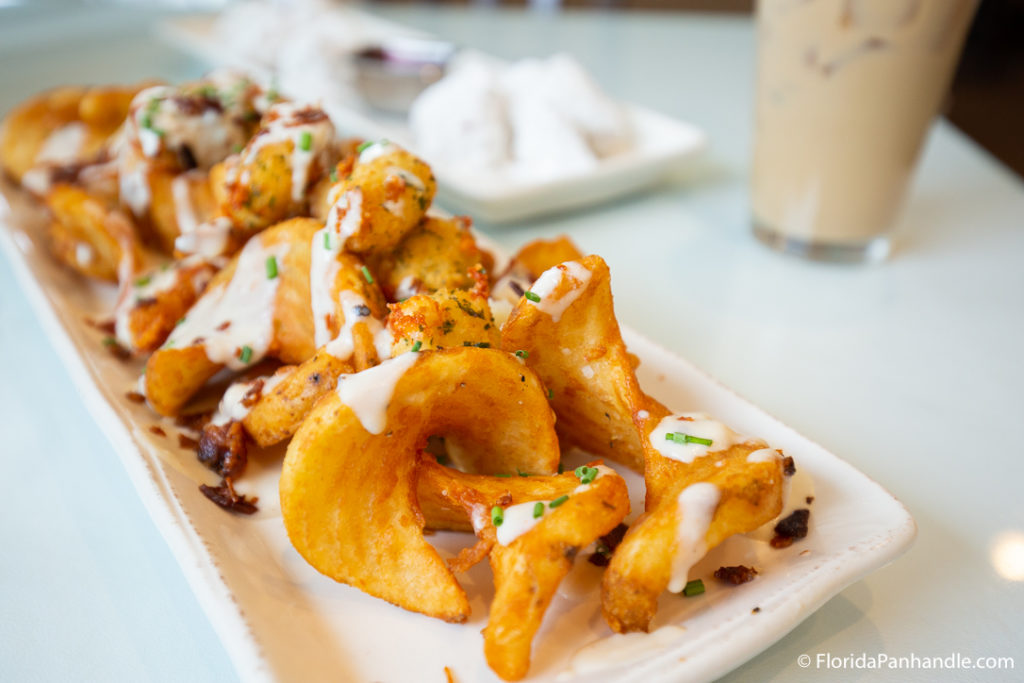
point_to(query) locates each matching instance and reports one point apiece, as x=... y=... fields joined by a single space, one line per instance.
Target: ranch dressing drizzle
x=697 y=505
x=239 y=314
x=289 y=121
x=795 y=491
x=376 y=150
x=352 y=307
x=345 y=216
x=550 y=280
x=518 y=519
x=232 y=408
x=184 y=211
x=63 y=145
x=208 y=239
x=133 y=183
x=693 y=424
x=369 y=392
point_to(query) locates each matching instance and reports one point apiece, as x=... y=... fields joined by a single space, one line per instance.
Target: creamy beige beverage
x=846 y=90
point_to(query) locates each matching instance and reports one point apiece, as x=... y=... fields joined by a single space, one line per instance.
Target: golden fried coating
x=539 y=255
x=442 y=320
x=90 y=237
x=440 y=253
x=572 y=340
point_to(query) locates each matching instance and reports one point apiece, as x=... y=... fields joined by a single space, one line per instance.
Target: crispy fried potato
x=442 y=320
x=539 y=255
x=438 y=489
x=152 y=305
x=574 y=344
x=90 y=237
x=440 y=253
x=382 y=198
x=180 y=201
x=750 y=495
x=285 y=331
x=348 y=493
x=279 y=412
x=528 y=570
x=78 y=120
x=269 y=180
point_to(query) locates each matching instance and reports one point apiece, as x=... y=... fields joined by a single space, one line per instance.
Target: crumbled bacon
x=157 y=429
x=788 y=466
x=736 y=575
x=222 y=449
x=606 y=546
x=227 y=498
x=254 y=394
x=791 y=529
x=135 y=397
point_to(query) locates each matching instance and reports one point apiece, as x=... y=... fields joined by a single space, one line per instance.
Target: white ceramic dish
x=663 y=146
x=280 y=620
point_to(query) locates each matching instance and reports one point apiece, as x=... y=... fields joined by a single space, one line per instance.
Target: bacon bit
x=222 y=449
x=307 y=115
x=394 y=186
x=116 y=350
x=156 y=429
x=135 y=397
x=516 y=287
x=755 y=610
x=791 y=528
x=788 y=466
x=223 y=326
x=736 y=575
x=606 y=546
x=254 y=394
x=226 y=497
x=809 y=499
x=195 y=421
x=805 y=552
x=187 y=442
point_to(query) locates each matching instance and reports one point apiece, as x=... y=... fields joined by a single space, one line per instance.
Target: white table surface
x=910 y=369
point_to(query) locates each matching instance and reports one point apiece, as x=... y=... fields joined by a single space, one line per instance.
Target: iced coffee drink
x=846 y=90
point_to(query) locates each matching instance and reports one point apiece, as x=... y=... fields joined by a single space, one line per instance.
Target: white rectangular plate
x=663 y=146
x=280 y=620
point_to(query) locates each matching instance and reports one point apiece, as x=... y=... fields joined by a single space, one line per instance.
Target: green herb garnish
x=522 y=354
x=695 y=587
x=366 y=274
x=532 y=297
x=271 y=267
x=679 y=437
x=497 y=515
x=538 y=510
x=306 y=141
x=558 y=501
x=245 y=354
x=417 y=345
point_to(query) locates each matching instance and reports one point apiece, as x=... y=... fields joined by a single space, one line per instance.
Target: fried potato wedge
x=440 y=253
x=279 y=412
x=573 y=341
x=528 y=570
x=257 y=306
x=384 y=196
x=441 y=320
x=719 y=494
x=441 y=492
x=180 y=202
x=348 y=489
x=90 y=237
x=539 y=255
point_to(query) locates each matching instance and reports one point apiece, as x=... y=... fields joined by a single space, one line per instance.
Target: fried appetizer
x=565 y=328
x=380 y=196
x=705 y=483
x=439 y=253
x=90 y=237
x=269 y=179
x=51 y=136
x=532 y=545
x=442 y=320
x=257 y=306
x=348 y=490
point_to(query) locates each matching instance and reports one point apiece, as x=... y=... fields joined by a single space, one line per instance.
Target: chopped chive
x=538 y=510
x=143 y=281
x=482 y=345
x=334 y=175
x=695 y=587
x=558 y=501
x=363 y=145
x=586 y=474
x=236 y=148
x=306 y=141
x=147 y=121
x=366 y=274
x=551 y=394
x=109 y=341
x=561 y=467
x=522 y=354
x=521 y=473
x=679 y=437
x=245 y=355
x=417 y=345
x=271 y=267
x=503 y=475
x=497 y=515
x=531 y=296
x=327 y=240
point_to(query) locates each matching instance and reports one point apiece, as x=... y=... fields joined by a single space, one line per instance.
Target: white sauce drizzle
x=231 y=407
x=693 y=424
x=376 y=150
x=518 y=519
x=184 y=211
x=84 y=254
x=410 y=178
x=369 y=392
x=345 y=216
x=283 y=125
x=697 y=505
x=550 y=280
x=246 y=303
x=133 y=185
x=208 y=239
x=158 y=281
x=63 y=145
x=343 y=345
